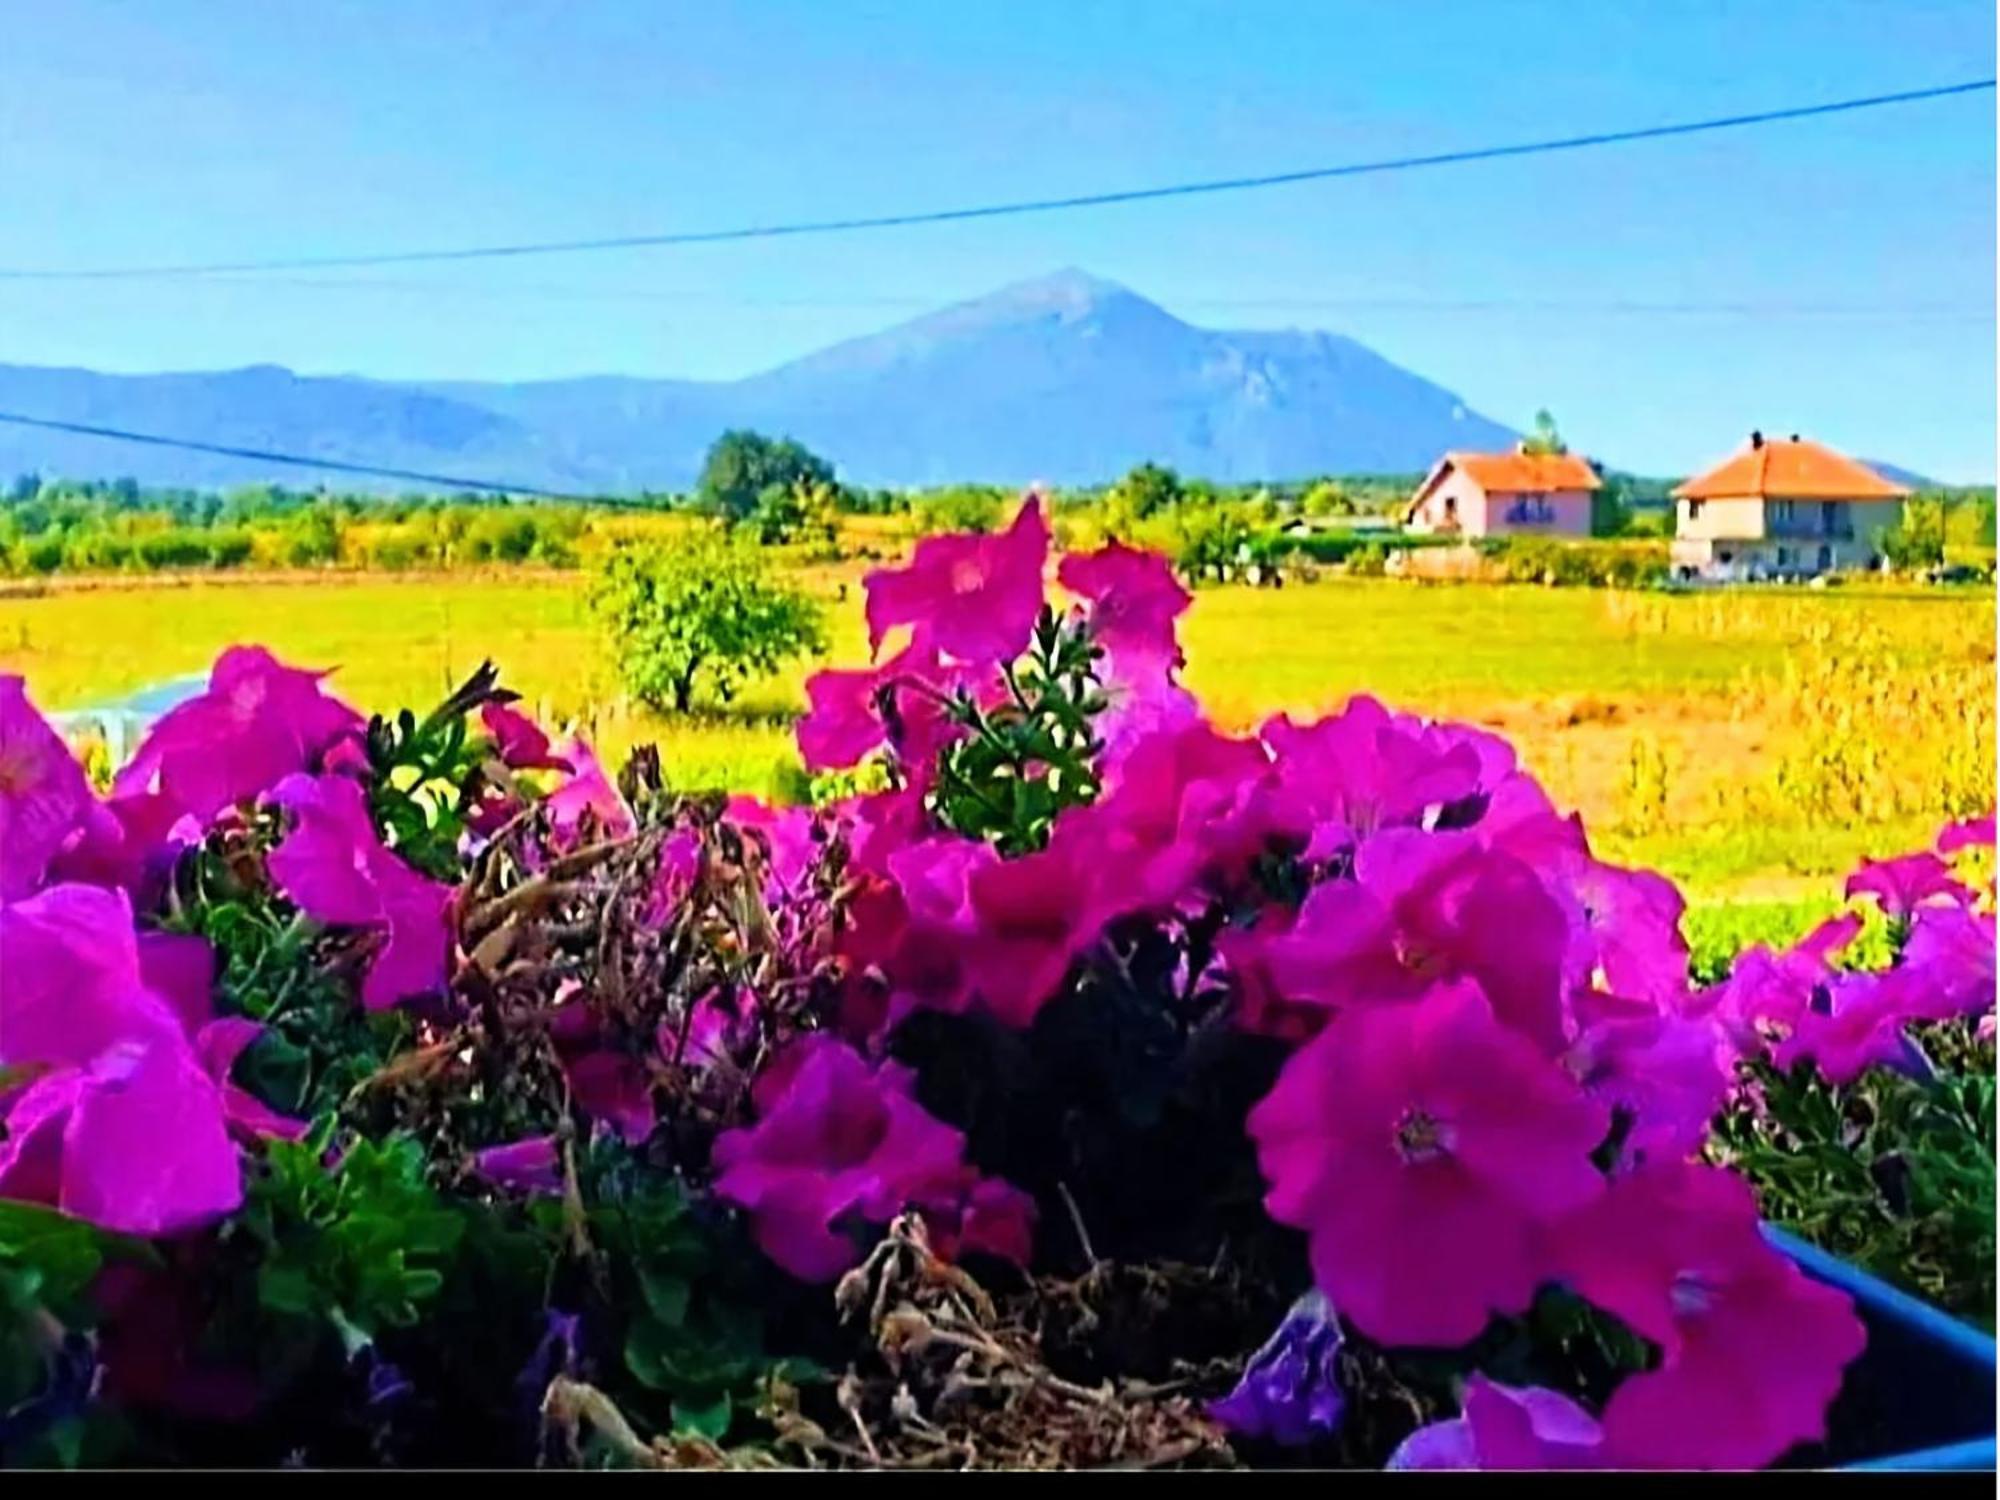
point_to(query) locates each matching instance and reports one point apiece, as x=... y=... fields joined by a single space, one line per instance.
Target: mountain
x=1909 y=479
x=1067 y=379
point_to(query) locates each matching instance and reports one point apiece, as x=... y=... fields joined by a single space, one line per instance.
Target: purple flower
x=1905 y=883
x=336 y=870
x=258 y=723
x=121 y=1124
x=1506 y=1427
x=1970 y=834
x=975 y=597
x=836 y=1140
x=44 y=794
x=1290 y=1391
x=527 y=1166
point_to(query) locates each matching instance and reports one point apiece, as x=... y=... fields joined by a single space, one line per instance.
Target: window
x=1781 y=510
x=1784 y=557
x=1825 y=558
x=1694 y=509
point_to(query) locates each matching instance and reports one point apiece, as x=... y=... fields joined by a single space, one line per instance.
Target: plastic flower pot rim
x=1953 y=1342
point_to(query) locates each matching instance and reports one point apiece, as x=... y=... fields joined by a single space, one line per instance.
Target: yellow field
x=1749 y=743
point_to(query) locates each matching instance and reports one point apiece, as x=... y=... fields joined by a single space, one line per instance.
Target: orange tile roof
x=1797 y=469
x=1529 y=473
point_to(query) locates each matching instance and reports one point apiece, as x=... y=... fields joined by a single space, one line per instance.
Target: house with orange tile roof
x=1504 y=494
x=1788 y=508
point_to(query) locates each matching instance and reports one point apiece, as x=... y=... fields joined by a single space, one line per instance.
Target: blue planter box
x=1926 y=1381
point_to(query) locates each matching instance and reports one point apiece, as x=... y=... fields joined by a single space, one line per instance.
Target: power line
x=1026 y=206
x=299 y=460
x=1269 y=301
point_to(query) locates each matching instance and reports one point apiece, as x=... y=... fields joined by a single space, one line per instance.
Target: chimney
x=1756 y=440
x=1795 y=437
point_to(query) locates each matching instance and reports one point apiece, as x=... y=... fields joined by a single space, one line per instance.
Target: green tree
x=699 y=611
x=1917 y=541
x=1545 y=439
x=1146 y=491
x=742 y=465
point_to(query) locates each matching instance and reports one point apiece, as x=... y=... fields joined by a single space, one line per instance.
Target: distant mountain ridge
x=1066 y=379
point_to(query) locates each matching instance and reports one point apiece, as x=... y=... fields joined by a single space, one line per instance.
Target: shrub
x=702 y=611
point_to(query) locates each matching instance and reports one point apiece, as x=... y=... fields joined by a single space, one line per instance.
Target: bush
x=703 y=611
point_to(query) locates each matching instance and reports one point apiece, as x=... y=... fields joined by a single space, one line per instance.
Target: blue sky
x=1834 y=277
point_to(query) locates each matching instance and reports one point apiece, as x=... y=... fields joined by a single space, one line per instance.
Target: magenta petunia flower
x=1768 y=990
x=44 y=795
x=518 y=740
x=1425 y=907
x=588 y=799
x=975 y=597
x=1903 y=884
x=336 y=870
x=1030 y=919
x=897 y=704
x=837 y=1141
x=1421 y=1147
x=120 y=1124
x=1503 y=1427
x=791 y=834
x=1134 y=601
x=1365 y=769
x=1752 y=1352
x=259 y=722
x=1949 y=957
x=1626 y=928
x=1667 y=1073
x=129 y=843
x=1972 y=833
x=526 y=1166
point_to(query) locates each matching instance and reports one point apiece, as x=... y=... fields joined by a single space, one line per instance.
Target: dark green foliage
x=362 y=1244
x=425 y=776
x=742 y=465
x=1891 y=1173
x=1032 y=756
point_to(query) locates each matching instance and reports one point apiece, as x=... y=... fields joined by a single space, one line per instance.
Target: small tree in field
x=700 y=611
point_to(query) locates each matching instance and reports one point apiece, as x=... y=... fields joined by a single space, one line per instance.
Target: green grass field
x=1664 y=719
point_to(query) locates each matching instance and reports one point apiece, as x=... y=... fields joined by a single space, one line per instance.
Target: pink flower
x=607 y=1081
x=1626 y=928
x=1949 y=957
x=1425 y=907
x=258 y=722
x=1365 y=769
x=526 y=1166
x=587 y=801
x=44 y=794
x=518 y=740
x=837 y=1140
x=121 y=1124
x=1134 y=601
x=1904 y=884
x=1421 y=1146
x=1751 y=1351
x=1030 y=918
x=1665 y=1072
x=791 y=838
x=129 y=842
x=1767 y=990
x=1972 y=833
x=896 y=704
x=336 y=870
x=975 y=597
x=1506 y=1427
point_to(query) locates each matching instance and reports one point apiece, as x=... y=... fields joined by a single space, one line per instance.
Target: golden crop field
x=1750 y=743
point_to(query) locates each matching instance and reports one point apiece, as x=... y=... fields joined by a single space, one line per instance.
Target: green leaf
x=666 y=1294
x=705 y=1419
